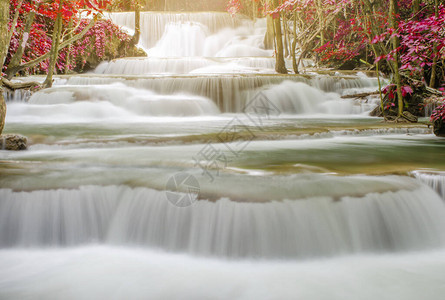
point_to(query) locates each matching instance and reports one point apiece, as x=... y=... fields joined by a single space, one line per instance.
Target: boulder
x=13 y=142
x=409 y=116
x=439 y=128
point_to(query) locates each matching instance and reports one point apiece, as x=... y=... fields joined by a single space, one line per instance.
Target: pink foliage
x=438 y=114
x=418 y=40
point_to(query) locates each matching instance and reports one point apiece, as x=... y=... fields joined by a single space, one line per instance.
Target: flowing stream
x=200 y=173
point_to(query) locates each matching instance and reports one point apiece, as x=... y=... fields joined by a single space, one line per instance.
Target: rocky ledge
x=13 y=142
x=439 y=128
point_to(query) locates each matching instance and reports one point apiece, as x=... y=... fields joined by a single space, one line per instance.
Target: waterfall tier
x=318 y=226
x=186 y=65
x=115 y=100
x=231 y=93
x=435 y=180
x=153 y=24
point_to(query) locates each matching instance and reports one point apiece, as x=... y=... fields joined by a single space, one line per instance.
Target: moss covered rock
x=13 y=142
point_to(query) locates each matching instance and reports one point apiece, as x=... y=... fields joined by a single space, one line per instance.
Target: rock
x=391 y=119
x=13 y=142
x=410 y=117
x=439 y=128
x=376 y=112
x=391 y=116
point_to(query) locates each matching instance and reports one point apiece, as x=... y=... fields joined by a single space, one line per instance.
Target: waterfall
x=114 y=100
x=430 y=107
x=185 y=65
x=20 y=95
x=53 y=218
x=316 y=226
x=153 y=24
x=180 y=40
x=299 y=98
x=435 y=180
x=221 y=58
x=231 y=92
x=287 y=206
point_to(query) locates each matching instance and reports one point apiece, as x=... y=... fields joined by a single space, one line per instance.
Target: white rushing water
x=317 y=226
x=110 y=99
x=153 y=24
x=436 y=180
x=116 y=99
x=122 y=273
x=231 y=93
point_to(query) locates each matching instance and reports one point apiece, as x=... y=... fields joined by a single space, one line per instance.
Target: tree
x=60 y=14
x=274 y=28
x=404 y=39
x=4 y=42
x=280 y=65
x=436 y=49
x=393 y=11
x=54 y=53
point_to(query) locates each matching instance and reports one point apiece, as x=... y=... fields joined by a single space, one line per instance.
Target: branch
x=20 y=85
x=429 y=89
x=360 y=95
x=14 y=22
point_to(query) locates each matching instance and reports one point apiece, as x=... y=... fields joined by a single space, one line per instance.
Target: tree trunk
x=286 y=37
x=137 y=23
x=17 y=57
x=269 y=37
x=294 y=45
x=393 y=10
x=435 y=51
x=4 y=43
x=254 y=10
x=13 y=24
x=416 y=6
x=280 y=65
x=321 y=21
x=378 y=48
x=54 y=47
x=68 y=51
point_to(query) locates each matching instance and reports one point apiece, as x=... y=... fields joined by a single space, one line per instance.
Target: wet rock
x=376 y=112
x=406 y=117
x=410 y=117
x=439 y=128
x=13 y=142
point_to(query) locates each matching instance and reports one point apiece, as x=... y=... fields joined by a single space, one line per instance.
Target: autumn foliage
x=361 y=31
x=75 y=17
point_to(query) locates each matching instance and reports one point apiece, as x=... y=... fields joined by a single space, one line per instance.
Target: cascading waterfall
x=88 y=201
x=435 y=180
x=229 y=92
x=430 y=107
x=153 y=24
x=186 y=65
x=113 y=99
x=153 y=65
x=318 y=226
x=299 y=98
x=180 y=40
x=20 y=95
